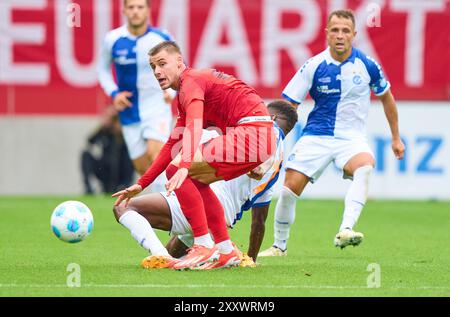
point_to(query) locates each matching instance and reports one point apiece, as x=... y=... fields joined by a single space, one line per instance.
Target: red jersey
x=211 y=98
x=226 y=99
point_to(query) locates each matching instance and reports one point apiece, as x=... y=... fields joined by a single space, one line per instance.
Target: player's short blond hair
x=169 y=46
x=346 y=14
x=147 y=1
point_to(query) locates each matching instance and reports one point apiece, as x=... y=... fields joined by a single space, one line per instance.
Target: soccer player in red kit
x=206 y=98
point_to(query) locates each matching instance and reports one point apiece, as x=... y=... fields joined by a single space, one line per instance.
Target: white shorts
x=136 y=135
x=312 y=154
x=180 y=225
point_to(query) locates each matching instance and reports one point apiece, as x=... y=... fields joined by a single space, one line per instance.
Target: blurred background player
x=144 y=109
x=106 y=156
x=339 y=81
x=206 y=98
x=163 y=212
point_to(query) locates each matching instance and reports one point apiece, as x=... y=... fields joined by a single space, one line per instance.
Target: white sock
x=142 y=232
x=225 y=247
x=284 y=217
x=356 y=197
x=204 y=240
x=159 y=184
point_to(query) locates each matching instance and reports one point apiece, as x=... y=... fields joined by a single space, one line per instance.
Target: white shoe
x=273 y=251
x=348 y=237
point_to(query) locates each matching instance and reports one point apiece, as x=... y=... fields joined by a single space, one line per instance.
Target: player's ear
x=179 y=61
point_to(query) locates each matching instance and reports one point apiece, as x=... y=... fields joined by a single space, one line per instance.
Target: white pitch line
x=219 y=286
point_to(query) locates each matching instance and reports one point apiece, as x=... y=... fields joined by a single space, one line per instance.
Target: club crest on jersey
x=357 y=79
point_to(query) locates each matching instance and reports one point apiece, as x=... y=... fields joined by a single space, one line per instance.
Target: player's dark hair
x=346 y=14
x=147 y=1
x=286 y=112
x=169 y=46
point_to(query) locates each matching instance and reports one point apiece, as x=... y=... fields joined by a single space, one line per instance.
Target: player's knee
x=118 y=211
x=295 y=182
x=363 y=171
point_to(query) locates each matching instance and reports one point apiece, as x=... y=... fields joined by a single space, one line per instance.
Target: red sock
x=214 y=212
x=191 y=204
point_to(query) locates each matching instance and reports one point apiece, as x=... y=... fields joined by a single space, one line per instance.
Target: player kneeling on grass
x=254 y=190
x=206 y=98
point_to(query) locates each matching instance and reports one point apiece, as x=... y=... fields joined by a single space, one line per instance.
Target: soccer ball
x=72 y=221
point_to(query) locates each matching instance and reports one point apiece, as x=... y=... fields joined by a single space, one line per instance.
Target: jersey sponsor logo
x=122 y=52
x=325 y=80
x=325 y=90
x=122 y=60
x=357 y=79
x=220 y=75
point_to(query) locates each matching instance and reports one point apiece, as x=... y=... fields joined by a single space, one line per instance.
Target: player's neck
x=176 y=85
x=137 y=31
x=343 y=57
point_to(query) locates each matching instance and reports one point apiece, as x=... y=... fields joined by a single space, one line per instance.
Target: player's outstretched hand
x=127 y=194
x=121 y=100
x=399 y=148
x=176 y=180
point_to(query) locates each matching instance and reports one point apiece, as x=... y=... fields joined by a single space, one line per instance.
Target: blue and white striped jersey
x=341 y=93
x=129 y=55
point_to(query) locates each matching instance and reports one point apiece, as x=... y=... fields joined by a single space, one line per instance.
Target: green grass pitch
x=408 y=240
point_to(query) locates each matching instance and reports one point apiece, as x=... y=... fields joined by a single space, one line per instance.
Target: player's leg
x=309 y=158
x=136 y=146
x=176 y=247
x=192 y=205
x=359 y=167
x=294 y=184
x=238 y=152
x=87 y=169
x=156 y=129
x=201 y=174
x=141 y=215
x=153 y=149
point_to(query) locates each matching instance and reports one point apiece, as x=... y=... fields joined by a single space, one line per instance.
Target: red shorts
x=240 y=149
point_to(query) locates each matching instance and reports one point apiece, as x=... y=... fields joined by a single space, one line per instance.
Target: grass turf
x=408 y=240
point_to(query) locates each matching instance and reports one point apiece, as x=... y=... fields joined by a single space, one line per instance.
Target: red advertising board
x=48 y=48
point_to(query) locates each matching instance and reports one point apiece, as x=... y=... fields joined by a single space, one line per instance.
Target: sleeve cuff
x=261 y=204
x=114 y=94
x=290 y=99
x=385 y=90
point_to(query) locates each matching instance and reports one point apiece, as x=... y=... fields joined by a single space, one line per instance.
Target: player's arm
x=380 y=86
x=191 y=141
x=297 y=89
x=158 y=166
x=106 y=79
x=105 y=76
x=390 y=110
x=258 y=228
